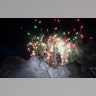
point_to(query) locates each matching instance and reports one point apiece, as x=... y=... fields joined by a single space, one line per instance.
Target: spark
x=55 y=48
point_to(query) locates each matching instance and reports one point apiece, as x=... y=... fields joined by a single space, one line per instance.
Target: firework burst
x=58 y=48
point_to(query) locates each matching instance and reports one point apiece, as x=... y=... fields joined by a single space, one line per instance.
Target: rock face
x=16 y=67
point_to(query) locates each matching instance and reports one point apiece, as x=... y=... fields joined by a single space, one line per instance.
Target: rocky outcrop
x=16 y=67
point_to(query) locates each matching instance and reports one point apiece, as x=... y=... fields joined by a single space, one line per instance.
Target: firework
x=57 y=48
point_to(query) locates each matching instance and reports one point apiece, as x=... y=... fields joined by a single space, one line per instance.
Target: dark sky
x=13 y=32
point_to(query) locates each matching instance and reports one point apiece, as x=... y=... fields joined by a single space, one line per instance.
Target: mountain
x=17 y=67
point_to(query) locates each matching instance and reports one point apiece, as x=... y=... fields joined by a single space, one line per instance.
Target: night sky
x=13 y=33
